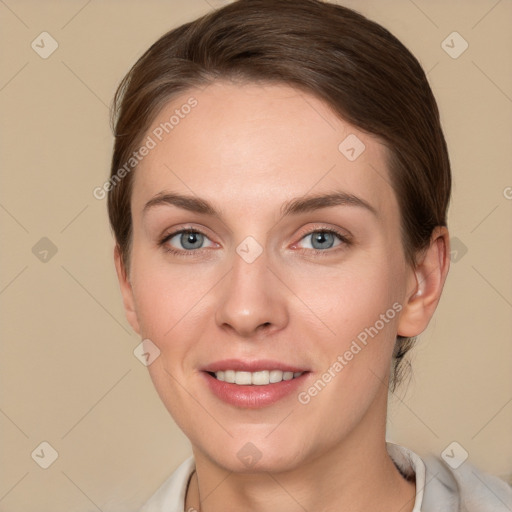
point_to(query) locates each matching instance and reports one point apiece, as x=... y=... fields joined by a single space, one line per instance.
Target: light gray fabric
x=465 y=489
x=439 y=488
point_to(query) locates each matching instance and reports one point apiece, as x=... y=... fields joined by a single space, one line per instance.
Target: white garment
x=439 y=488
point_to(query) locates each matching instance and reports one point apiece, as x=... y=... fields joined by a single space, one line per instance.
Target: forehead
x=256 y=146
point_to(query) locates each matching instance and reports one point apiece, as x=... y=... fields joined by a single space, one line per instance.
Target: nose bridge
x=251 y=296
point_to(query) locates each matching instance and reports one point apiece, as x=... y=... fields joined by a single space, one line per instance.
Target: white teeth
x=243 y=378
x=229 y=376
x=276 y=376
x=260 y=378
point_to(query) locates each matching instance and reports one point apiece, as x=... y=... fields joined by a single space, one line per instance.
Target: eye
x=321 y=240
x=184 y=241
x=188 y=242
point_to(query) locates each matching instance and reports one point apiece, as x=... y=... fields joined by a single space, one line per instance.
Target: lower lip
x=253 y=396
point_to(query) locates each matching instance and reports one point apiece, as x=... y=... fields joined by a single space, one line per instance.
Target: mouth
x=253 y=384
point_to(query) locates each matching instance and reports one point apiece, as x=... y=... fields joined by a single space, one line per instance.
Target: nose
x=252 y=300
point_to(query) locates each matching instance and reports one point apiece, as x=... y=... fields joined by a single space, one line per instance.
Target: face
x=266 y=274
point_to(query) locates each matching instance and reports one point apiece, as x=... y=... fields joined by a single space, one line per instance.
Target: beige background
x=68 y=373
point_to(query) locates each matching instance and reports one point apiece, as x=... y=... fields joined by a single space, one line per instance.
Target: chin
x=244 y=455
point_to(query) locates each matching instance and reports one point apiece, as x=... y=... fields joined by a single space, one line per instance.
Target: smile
x=254 y=390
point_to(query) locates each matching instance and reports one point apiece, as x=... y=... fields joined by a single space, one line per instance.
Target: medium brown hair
x=357 y=67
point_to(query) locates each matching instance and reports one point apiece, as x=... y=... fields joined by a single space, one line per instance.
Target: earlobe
x=428 y=279
x=126 y=290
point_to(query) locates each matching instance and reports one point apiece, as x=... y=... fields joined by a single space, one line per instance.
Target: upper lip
x=250 y=366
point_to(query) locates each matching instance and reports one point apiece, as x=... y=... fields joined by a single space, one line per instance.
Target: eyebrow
x=292 y=207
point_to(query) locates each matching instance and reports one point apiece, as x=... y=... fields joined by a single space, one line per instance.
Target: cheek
x=350 y=298
x=361 y=311
x=169 y=299
x=360 y=306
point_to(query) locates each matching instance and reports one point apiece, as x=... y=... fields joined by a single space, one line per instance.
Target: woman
x=278 y=196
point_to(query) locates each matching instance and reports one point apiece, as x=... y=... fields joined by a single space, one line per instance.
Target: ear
x=126 y=290
x=425 y=285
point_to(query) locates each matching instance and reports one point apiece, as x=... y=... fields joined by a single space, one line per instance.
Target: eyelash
x=318 y=252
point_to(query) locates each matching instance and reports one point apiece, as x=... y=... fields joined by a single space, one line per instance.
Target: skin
x=248 y=149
